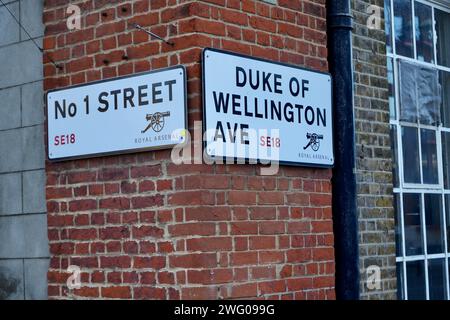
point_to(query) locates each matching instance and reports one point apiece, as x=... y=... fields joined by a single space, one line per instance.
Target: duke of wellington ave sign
x=257 y=110
x=136 y=113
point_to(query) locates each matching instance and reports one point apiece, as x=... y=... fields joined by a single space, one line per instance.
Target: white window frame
x=421 y=189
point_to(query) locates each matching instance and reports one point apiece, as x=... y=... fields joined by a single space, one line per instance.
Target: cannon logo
x=156 y=121
x=314 y=141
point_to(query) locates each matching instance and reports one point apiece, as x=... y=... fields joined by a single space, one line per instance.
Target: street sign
x=141 y=112
x=264 y=111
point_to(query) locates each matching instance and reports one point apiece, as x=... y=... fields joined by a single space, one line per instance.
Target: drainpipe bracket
x=340 y=21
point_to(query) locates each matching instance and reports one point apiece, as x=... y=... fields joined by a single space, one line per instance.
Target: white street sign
x=264 y=111
x=136 y=113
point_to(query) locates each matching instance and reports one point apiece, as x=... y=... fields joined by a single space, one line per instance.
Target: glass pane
x=433 y=222
x=408 y=91
x=388 y=25
x=415 y=273
x=398 y=226
x=394 y=149
x=447 y=219
x=436 y=279
x=446 y=158
x=429 y=95
x=444 y=79
x=410 y=144
x=390 y=74
x=400 y=282
x=403 y=28
x=413 y=226
x=419 y=93
x=424 y=32
x=429 y=156
x=443 y=37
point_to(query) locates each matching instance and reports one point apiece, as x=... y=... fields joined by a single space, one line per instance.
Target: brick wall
x=374 y=158
x=141 y=227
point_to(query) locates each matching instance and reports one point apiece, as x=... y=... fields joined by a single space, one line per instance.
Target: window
x=418 y=68
x=403 y=27
x=443 y=37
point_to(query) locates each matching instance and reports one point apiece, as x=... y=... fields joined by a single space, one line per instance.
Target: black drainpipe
x=345 y=218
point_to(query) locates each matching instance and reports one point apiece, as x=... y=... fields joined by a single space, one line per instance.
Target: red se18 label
x=65 y=139
x=270 y=142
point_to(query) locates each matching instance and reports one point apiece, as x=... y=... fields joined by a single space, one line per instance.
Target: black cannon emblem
x=156 y=121
x=314 y=141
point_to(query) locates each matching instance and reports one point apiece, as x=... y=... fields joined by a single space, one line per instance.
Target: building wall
x=141 y=227
x=374 y=158
x=23 y=220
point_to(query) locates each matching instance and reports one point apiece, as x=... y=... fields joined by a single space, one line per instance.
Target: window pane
x=429 y=95
x=388 y=25
x=446 y=158
x=390 y=74
x=443 y=37
x=429 y=156
x=433 y=222
x=400 y=282
x=436 y=279
x=413 y=226
x=403 y=28
x=398 y=226
x=420 y=93
x=415 y=273
x=447 y=219
x=394 y=149
x=444 y=79
x=410 y=144
x=408 y=91
x=424 y=32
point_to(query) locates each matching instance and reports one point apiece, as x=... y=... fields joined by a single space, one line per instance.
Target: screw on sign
x=156 y=121
x=314 y=141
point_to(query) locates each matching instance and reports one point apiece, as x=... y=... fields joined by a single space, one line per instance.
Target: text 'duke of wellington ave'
x=289 y=109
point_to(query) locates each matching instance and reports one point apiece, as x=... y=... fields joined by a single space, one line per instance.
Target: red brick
x=147 y=231
x=115 y=262
x=299 y=284
x=244 y=258
x=244 y=291
x=147 y=201
x=270 y=257
x=116 y=292
x=213 y=276
x=260 y=243
x=272 y=286
x=155 y=262
x=266 y=272
x=241 y=197
x=58 y=193
x=321 y=254
x=114 y=233
x=82 y=205
x=265 y=198
x=206 y=213
x=191 y=198
x=199 y=293
x=203 y=260
x=115 y=203
x=192 y=229
x=271 y=227
x=235 y=17
x=82 y=234
x=149 y=293
x=209 y=244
